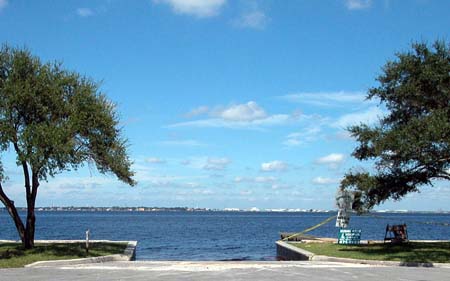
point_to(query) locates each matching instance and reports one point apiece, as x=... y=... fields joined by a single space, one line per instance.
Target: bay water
x=169 y=235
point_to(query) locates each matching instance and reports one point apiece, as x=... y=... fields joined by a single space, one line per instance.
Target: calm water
x=212 y=235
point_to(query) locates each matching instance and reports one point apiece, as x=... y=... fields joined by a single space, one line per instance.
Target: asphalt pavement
x=168 y=270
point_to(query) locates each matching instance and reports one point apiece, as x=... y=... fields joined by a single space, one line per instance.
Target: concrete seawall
x=129 y=254
x=287 y=252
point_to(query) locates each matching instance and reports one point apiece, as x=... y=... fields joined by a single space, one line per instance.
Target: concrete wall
x=287 y=252
x=129 y=254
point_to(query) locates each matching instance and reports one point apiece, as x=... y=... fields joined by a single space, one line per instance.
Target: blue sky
x=226 y=104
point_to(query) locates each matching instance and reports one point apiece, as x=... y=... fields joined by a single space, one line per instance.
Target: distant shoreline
x=187 y=209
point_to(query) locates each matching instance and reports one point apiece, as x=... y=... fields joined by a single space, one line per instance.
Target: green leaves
x=56 y=119
x=411 y=145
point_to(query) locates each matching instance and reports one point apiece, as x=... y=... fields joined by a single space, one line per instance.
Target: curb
x=380 y=263
x=288 y=252
x=128 y=254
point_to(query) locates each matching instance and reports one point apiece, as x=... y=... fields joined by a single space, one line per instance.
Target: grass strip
x=14 y=255
x=406 y=252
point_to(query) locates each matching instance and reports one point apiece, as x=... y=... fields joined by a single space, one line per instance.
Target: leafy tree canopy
x=411 y=144
x=54 y=120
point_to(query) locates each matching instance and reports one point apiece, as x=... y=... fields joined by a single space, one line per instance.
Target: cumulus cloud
x=324 y=181
x=249 y=111
x=368 y=116
x=85 y=12
x=273 y=166
x=217 y=164
x=245 y=112
x=197 y=8
x=358 y=4
x=155 y=160
x=328 y=99
x=332 y=160
x=238 y=116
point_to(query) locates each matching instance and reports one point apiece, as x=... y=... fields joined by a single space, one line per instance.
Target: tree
x=54 y=120
x=411 y=145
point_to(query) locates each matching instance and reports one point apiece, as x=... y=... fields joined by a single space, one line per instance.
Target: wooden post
x=87 y=241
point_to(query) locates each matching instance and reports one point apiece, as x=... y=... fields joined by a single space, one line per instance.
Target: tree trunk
x=26 y=233
x=9 y=204
x=31 y=218
x=28 y=242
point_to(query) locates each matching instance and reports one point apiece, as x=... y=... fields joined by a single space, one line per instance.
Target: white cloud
x=3 y=4
x=85 y=12
x=195 y=191
x=198 y=8
x=273 y=120
x=299 y=138
x=281 y=186
x=197 y=163
x=258 y=179
x=203 y=191
x=344 y=135
x=160 y=182
x=369 y=116
x=274 y=166
x=193 y=184
x=240 y=116
x=197 y=111
x=265 y=179
x=254 y=19
x=341 y=98
x=146 y=177
x=61 y=183
x=358 y=4
x=240 y=179
x=155 y=160
x=217 y=164
x=333 y=160
x=246 y=112
x=324 y=181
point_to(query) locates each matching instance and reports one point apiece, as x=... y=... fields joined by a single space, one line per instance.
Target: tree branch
x=446 y=177
x=9 y=204
x=35 y=185
x=26 y=173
